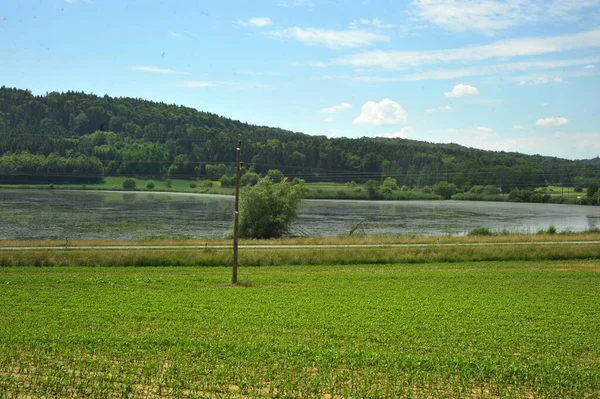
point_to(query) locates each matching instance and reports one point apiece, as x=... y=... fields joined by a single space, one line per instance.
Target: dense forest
x=78 y=137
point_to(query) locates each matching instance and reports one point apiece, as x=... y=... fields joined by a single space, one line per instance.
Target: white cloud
x=328 y=119
x=153 y=69
x=385 y=112
x=333 y=39
x=441 y=108
x=589 y=67
x=336 y=108
x=461 y=90
x=518 y=127
x=258 y=22
x=556 y=121
x=404 y=133
x=375 y=22
x=332 y=133
x=175 y=34
x=507 y=48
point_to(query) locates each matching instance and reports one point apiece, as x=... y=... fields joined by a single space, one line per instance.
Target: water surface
x=55 y=214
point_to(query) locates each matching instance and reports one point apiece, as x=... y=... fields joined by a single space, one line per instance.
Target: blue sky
x=515 y=75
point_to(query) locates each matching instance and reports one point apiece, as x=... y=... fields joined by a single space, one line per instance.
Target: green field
x=522 y=329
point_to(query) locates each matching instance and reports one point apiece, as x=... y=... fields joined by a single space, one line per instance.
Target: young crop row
x=442 y=330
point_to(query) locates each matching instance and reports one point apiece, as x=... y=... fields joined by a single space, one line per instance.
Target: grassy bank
x=435 y=330
x=309 y=251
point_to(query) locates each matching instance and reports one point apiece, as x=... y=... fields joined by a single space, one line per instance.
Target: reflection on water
x=35 y=214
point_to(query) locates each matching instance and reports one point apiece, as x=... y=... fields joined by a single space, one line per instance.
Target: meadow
x=518 y=329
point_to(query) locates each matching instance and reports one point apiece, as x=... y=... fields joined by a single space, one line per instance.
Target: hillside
x=78 y=137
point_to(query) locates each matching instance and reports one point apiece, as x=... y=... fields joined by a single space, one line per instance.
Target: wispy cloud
x=518 y=127
x=475 y=130
x=201 y=84
x=538 y=80
x=441 y=108
x=491 y=16
x=529 y=46
x=333 y=39
x=589 y=67
x=496 y=70
x=554 y=121
x=461 y=90
x=487 y=16
x=175 y=34
x=375 y=23
x=336 y=108
x=328 y=119
x=153 y=69
x=258 y=22
x=296 y=3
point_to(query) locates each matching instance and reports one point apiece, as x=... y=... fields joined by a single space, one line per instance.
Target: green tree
x=444 y=189
x=129 y=184
x=249 y=178
x=267 y=209
x=275 y=175
x=593 y=187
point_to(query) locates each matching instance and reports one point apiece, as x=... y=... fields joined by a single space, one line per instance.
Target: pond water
x=54 y=214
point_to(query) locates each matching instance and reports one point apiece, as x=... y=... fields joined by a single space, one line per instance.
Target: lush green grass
x=116 y=183
x=508 y=329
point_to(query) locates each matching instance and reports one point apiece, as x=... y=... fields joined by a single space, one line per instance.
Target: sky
x=514 y=75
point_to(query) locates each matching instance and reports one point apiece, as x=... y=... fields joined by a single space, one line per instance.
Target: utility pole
x=236 y=215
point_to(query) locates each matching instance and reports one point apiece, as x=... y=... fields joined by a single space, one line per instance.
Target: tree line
x=79 y=137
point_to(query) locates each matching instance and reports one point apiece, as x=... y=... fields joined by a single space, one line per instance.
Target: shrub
x=267 y=209
x=480 y=231
x=129 y=184
x=372 y=186
x=150 y=185
x=206 y=183
x=578 y=189
x=351 y=184
x=551 y=229
x=444 y=189
x=168 y=183
x=426 y=190
x=193 y=185
x=227 y=181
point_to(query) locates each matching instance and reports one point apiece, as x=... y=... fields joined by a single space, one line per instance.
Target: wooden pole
x=236 y=216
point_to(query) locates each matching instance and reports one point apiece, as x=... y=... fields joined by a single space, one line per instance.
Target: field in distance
x=520 y=329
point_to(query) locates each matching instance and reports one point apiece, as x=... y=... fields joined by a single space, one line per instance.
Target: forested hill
x=81 y=137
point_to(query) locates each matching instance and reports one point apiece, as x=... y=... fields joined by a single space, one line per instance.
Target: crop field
x=515 y=329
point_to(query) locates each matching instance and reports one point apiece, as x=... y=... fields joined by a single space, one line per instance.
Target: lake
x=56 y=214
